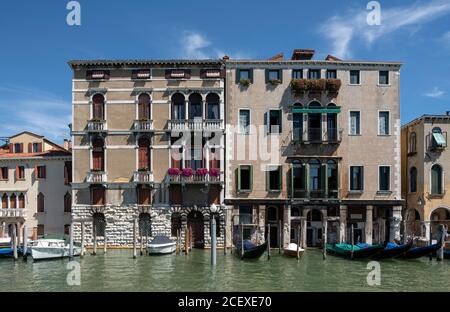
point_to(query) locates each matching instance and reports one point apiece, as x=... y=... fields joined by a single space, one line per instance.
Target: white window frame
x=350 y=80
x=389 y=79
x=350 y=122
x=350 y=177
x=389 y=122
x=239 y=121
x=390 y=179
x=268 y=130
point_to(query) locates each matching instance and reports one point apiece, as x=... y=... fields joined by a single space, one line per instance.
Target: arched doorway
x=99 y=224
x=314 y=228
x=412 y=223
x=196 y=224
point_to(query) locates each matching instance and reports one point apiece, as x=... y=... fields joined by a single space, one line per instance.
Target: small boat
x=51 y=249
x=251 y=251
x=345 y=250
x=391 y=250
x=418 y=252
x=6 y=252
x=5 y=242
x=161 y=245
x=291 y=251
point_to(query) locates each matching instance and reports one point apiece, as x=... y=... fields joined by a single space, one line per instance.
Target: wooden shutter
x=97 y=160
x=21 y=201
x=238 y=75
x=362 y=178
x=30 y=147
x=44 y=172
x=238 y=178
x=251 y=178
x=17 y=173
x=144 y=196
x=267 y=75
x=21 y=147
x=144 y=157
x=250 y=74
x=40 y=203
x=280 y=177
x=36 y=172
x=214 y=195
x=11 y=148
x=40 y=147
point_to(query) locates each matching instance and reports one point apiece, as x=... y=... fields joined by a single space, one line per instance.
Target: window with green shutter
x=436 y=180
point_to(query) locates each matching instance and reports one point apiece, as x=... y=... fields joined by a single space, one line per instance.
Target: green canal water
x=117 y=271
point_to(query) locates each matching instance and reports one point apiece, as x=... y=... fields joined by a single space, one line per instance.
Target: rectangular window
x=244 y=121
x=40 y=172
x=18 y=148
x=383 y=123
x=36 y=148
x=4 y=173
x=356 y=178
x=314 y=74
x=244 y=74
x=331 y=74
x=245 y=178
x=273 y=75
x=297 y=74
x=273 y=178
x=383 y=77
x=20 y=173
x=67 y=172
x=355 y=77
x=385 y=178
x=274 y=121
x=355 y=123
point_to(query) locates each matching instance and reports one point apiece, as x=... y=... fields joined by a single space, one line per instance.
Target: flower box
x=298 y=85
x=187 y=172
x=174 y=172
x=202 y=171
x=214 y=172
x=333 y=85
x=245 y=82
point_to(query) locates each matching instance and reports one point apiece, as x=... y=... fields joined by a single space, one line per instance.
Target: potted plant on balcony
x=187 y=172
x=144 y=169
x=214 y=172
x=245 y=82
x=275 y=81
x=316 y=85
x=298 y=86
x=333 y=85
x=174 y=172
x=201 y=172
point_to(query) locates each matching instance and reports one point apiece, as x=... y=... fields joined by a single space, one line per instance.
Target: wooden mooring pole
x=324 y=239
x=441 y=240
x=352 y=235
x=186 y=240
x=105 y=240
x=431 y=241
x=242 y=241
x=134 y=238
x=280 y=236
x=82 y=239
x=213 y=242
x=71 y=242
x=141 y=247
x=268 y=241
x=25 y=244
x=14 y=241
x=94 y=232
x=298 y=242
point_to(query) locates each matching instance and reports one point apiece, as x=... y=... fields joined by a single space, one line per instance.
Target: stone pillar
x=395 y=220
x=342 y=224
x=324 y=126
x=369 y=224
x=287 y=225
x=426 y=228
x=3 y=233
x=229 y=226
x=261 y=221
x=303 y=229
x=305 y=128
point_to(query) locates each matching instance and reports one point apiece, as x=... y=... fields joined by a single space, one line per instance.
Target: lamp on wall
x=419 y=201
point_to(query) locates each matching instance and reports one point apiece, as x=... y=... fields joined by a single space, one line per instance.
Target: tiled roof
x=51 y=153
x=113 y=63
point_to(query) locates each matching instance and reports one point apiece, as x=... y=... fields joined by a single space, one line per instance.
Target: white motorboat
x=291 y=250
x=52 y=249
x=161 y=245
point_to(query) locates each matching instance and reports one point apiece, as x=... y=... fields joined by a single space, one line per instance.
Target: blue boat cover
x=247 y=245
x=391 y=246
x=6 y=251
x=363 y=245
x=161 y=240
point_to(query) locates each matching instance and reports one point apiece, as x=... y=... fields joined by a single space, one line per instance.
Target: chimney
x=448 y=113
x=302 y=54
x=278 y=57
x=67 y=144
x=225 y=58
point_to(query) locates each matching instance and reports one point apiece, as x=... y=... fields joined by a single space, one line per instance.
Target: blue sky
x=36 y=43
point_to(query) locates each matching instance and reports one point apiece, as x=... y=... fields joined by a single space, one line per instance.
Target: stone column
x=342 y=224
x=324 y=127
x=395 y=220
x=287 y=225
x=305 y=128
x=261 y=221
x=369 y=224
x=303 y=229
x=229 y=225
x=3 y=233
x=426 y=228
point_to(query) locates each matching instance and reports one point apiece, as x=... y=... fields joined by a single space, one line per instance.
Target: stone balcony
x=197 y=179
x=196 y=125
x=143 y=126
x=96 y=177
x=96 y=126
x=11 y=213
x=143 y=177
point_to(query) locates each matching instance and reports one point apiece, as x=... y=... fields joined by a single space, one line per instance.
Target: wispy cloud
x=344 y=30
x=446 y=38
x=198 y=46
x=435 y=93
x=33 y=110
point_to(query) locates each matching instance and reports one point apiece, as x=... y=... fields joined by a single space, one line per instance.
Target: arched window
x=5 y=201
x=144 y=107
x=213 y=108
x=436 y=180
x=314 y=104
x=413 y=180
x=40 y=202
x=412 y=142
x=98 y=155
x=178 y=106
x=13 y=201
x=21 y=201
x=144 y=154
x=98 y=107
x=437 y=130
x=67 y=202
x=195 y=106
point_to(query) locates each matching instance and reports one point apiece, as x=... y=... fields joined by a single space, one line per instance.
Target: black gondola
x=250 y=251
x=393 y=250
x=418 y=252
